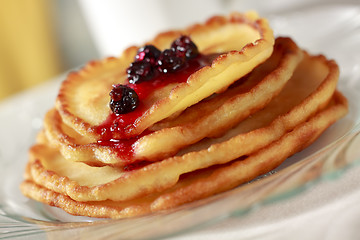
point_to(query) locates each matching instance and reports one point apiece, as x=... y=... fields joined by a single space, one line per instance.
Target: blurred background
x=39 y=40
x=42 y=39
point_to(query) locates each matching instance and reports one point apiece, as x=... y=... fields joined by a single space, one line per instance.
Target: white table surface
x=330 y=211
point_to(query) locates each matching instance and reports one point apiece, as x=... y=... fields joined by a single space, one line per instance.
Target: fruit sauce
x=119 y=121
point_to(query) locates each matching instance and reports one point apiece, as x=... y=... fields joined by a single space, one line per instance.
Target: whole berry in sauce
x=140 y=72
x=123 y=99
x=148 y=53
x=169 y=61
x=184 y=47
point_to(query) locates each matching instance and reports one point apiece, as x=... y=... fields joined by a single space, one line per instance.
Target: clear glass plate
x=333 y=30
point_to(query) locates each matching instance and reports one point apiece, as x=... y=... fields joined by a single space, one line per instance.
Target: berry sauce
x=118 y=123
x=150 y=71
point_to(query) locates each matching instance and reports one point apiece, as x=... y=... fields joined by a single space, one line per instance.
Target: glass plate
x=332 y=29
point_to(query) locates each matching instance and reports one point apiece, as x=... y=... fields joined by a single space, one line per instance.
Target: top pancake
x=243 y=40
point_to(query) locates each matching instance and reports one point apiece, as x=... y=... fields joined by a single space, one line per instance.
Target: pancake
x=205 y=182
x=208 y=118
x=239 y=43
x=191 y=114
x=307 y=92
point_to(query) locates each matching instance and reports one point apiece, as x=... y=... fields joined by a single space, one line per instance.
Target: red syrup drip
x=123 y=147
x=119 y=123
x=135 y=165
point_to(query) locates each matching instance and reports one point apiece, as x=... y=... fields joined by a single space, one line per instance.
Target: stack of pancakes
x=260 y=101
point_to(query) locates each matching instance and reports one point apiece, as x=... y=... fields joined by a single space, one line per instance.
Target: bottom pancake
x=202 y=183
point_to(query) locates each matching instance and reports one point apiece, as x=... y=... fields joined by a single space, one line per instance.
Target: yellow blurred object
x=28 y=52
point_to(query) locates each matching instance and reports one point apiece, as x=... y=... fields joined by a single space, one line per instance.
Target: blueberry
x=148 y=53
x=123 y=99
x=140 y=72
x=184 y=47
x=169 y=61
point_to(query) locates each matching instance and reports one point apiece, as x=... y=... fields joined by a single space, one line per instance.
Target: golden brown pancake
x=301 y=98
x=208 y=118
x=205 y=182
x=234 y=111
x=242 y=42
